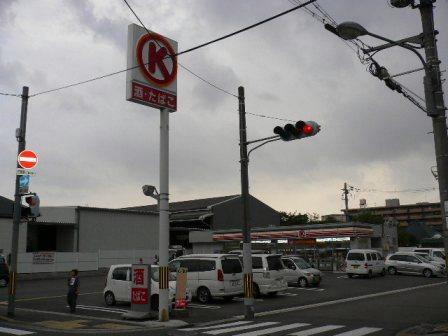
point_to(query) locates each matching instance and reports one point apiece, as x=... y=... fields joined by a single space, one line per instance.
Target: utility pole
x=20 y=135
x=247 y=249
x=436 y=109
x=345 y=193
x=164 y=216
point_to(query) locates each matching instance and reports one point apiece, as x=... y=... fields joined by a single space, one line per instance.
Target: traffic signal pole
x=436 y=109
x=20 y=135
x=249 y=311
x=164 y=219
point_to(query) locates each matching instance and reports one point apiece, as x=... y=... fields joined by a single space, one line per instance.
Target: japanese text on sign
x=153 y=96
x=139 y=276
x=139 y=295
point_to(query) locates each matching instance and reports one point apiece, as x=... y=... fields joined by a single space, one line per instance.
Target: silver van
x=411 y=263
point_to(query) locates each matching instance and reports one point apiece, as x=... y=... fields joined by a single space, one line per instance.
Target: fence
x=45 y=262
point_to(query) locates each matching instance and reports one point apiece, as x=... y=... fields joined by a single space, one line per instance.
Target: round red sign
x=156 y=59
x=27 y=159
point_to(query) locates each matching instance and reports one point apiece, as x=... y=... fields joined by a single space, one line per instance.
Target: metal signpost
x=153 y=82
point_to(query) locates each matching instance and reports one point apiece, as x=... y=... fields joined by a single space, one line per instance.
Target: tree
x=293 y=218
x=367 y=217
x=405 y=238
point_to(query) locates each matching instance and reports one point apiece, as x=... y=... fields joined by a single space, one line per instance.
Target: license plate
x=234 y=283
x=355 y=266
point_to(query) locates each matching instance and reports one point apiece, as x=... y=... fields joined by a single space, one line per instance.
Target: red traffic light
x=308 y=129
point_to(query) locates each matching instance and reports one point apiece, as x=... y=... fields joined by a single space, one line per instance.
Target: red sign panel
x=140 y=296
x=151 y=96
x=27 y=159
x=139 y=276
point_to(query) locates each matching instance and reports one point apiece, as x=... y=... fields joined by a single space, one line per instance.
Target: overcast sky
x=97 y=149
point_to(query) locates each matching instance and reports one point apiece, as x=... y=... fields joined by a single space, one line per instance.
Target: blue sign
x=24 y=181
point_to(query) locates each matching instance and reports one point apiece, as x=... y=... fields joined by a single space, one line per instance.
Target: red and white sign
x=152 y=79
x=140 y=292
x=27 y=159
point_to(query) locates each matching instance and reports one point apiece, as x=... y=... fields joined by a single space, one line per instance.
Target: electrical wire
x=182 y=52
x=269 y=117
x=10 y=94
x=400 y=191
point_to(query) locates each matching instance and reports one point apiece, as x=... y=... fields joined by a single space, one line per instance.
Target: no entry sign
x=27 y=159
x=153 y=78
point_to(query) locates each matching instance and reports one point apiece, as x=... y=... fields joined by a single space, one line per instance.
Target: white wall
x=6 y=235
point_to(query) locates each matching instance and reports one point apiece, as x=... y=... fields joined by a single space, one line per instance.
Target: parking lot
x=335 y=291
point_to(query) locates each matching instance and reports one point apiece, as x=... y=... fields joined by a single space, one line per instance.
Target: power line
x=182 y=52
x=181 y=65
x=268 y=117
x=400 y=191
x=10 y=94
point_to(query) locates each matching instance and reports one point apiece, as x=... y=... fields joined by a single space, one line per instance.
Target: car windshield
x=355 y=256
x=302 y=264
x=439 y=254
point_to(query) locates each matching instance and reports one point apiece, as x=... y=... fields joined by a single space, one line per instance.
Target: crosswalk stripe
x=359 y=332
x=217 y=326
x=317 y=330
x=270 y=331
x=15 y=331
x=227 y=330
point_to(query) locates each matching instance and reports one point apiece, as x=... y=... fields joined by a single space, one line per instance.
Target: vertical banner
x=181 y=288
x=141 y=287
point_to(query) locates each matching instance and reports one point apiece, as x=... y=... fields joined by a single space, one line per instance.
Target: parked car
x=211 y=275
x=435 y=253
x=118 y=286
x=436 y=261
x=268 y=274
x=411 y=263
x=299 y=272
x=364 y=262
x=4 y=272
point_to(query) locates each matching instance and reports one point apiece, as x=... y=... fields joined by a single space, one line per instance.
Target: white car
x=268 y=274
x=299 y=272
x=435 y=253
x=436 y=261
x=364 y=262
x=211 y=275
x=119 y=285
x=412 y=263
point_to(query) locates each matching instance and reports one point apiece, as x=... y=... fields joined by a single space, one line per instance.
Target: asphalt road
x=378 y=306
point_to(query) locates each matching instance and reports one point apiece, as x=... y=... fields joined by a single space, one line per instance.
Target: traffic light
x=301 y=129
x=33 y=204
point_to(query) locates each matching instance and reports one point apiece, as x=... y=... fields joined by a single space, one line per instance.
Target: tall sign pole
x=436 y=109
x=247 y=250
x=152 y=81
x=164 y=220
x=20 y=135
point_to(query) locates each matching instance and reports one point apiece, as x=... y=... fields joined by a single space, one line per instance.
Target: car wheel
x=392 y=270
x=303 y=282
x=204 y=295
x=383 y=272
x=427 y=273
x=109 y=298
x=154 y=302
x=256 y=291
x=350 y=275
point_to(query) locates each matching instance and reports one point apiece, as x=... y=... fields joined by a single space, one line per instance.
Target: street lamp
x=435 y=106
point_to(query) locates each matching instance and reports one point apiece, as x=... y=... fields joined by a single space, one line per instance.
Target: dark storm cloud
x=291 y=68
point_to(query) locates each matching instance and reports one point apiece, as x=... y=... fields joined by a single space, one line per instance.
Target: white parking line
x=103 y=309
x=225 y=325
x=287 y=294
x=270 y=331
x=359 y=332
x=15 y=331
x=318 y=330
x=245 y=327
x=195 y=305
x=313 y=289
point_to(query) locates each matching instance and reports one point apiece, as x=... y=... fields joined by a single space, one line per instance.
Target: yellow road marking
x=51 y=297
x=64 y=325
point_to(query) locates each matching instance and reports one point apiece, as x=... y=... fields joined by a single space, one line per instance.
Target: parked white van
x=118 y=286
x=435 y=253
x=268 y=274
x=364 y=262
x=211 y=275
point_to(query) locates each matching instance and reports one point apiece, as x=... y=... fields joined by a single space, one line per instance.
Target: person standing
x=73 y=290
